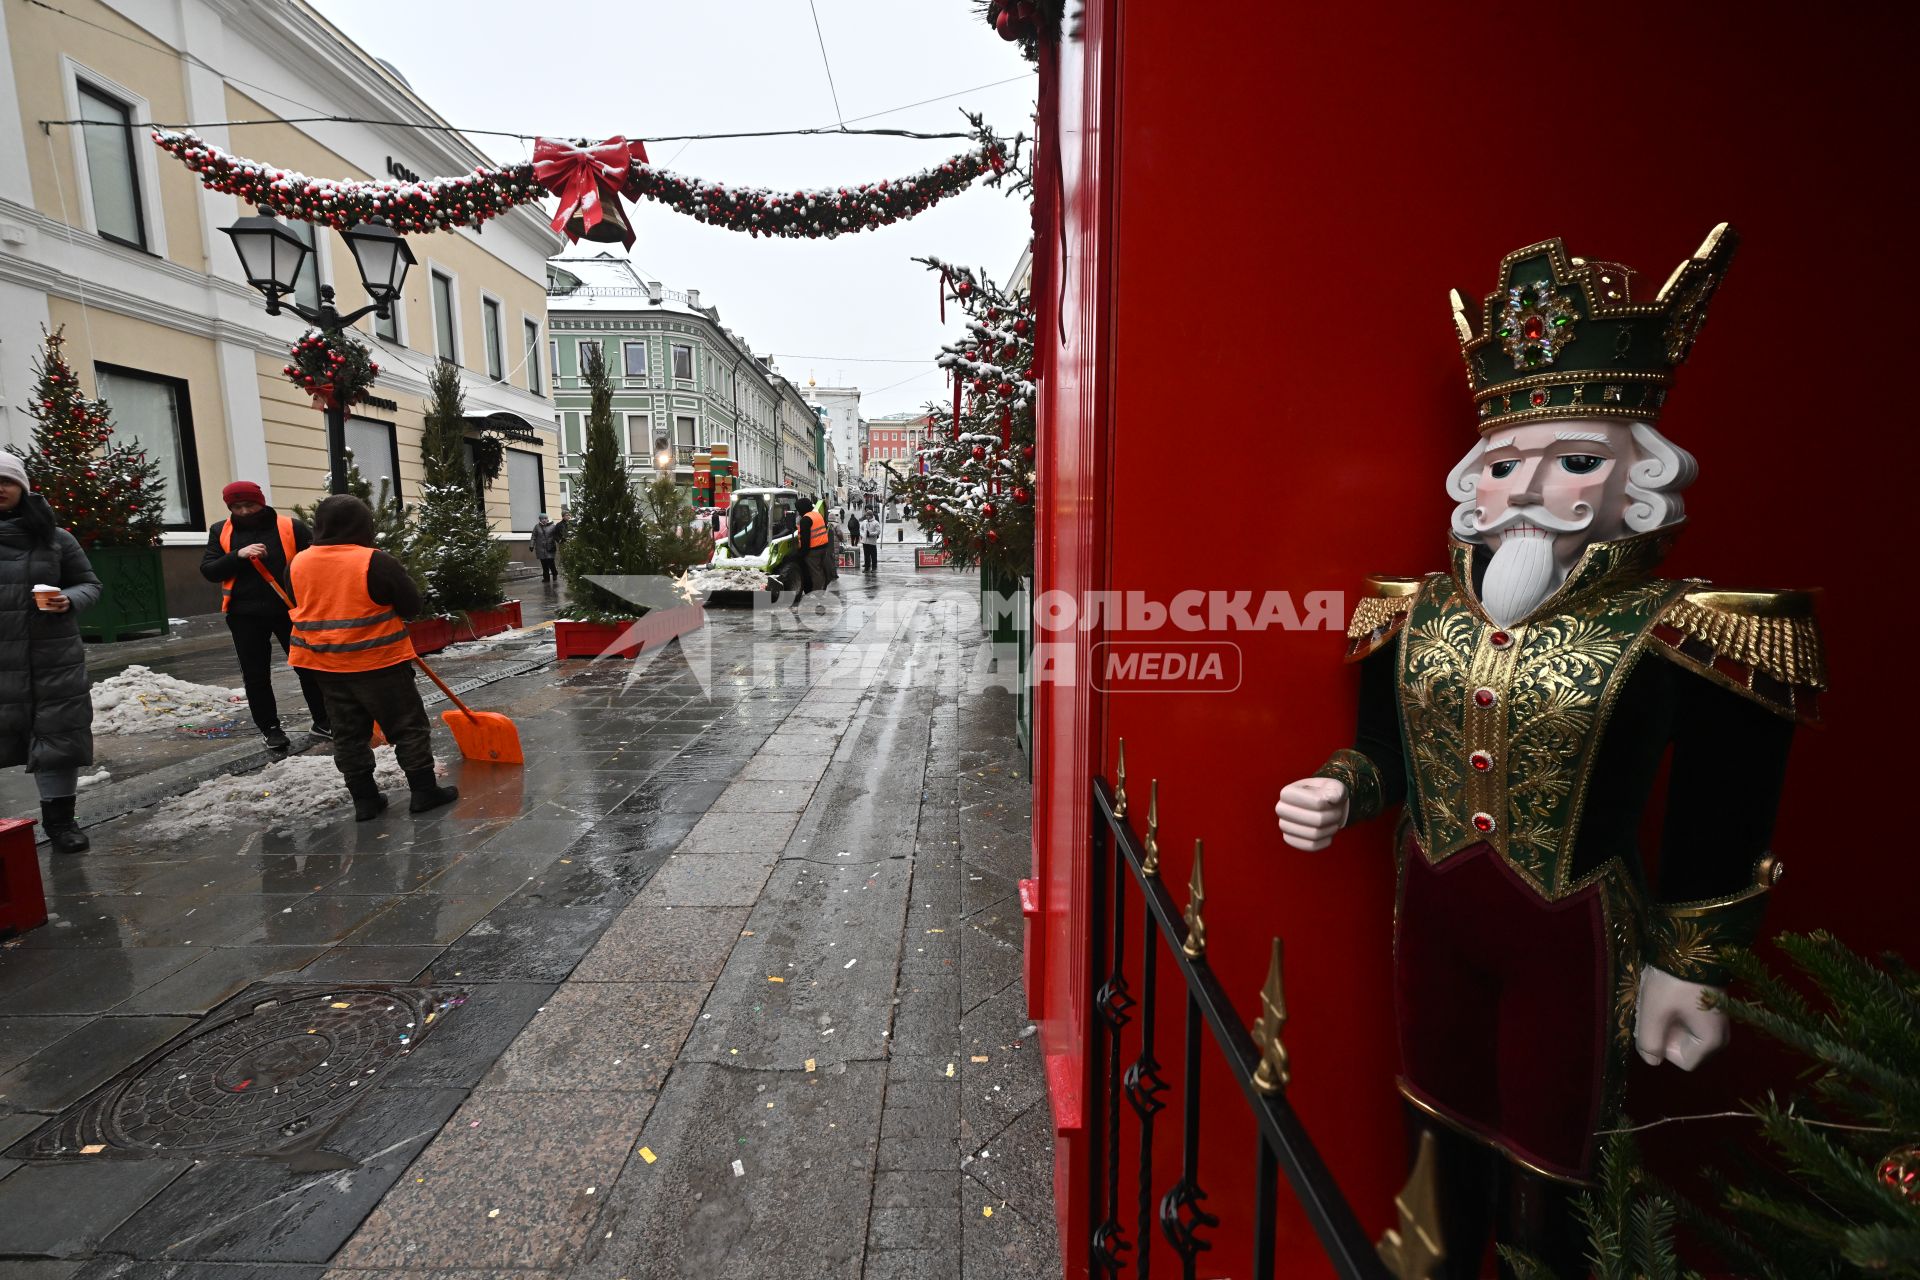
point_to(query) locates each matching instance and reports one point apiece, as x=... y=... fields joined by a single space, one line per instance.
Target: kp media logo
x=1169 y=666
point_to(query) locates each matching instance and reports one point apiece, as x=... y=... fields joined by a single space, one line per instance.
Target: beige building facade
x=110 y=240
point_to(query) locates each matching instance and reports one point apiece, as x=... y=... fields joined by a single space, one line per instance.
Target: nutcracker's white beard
x=1522 y=573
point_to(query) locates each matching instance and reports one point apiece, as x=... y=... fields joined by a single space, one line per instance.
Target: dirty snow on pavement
x=286 y=793
x=141 y=700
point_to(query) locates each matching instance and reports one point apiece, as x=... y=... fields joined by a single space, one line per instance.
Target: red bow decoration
x=587 y=181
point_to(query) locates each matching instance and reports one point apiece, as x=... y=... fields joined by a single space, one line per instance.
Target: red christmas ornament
x=993 y=536
x=986 y=511
x=979 y=453
x=1006 y=388
x=1026 y=453
x=1021 y=494
x=964 y=289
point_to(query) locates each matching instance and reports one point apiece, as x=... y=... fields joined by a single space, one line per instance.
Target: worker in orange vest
x=256 y=615
x=351 y=603
x=811 y=541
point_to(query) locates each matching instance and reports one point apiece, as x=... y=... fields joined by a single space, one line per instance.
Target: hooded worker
x=350 y=631
x=257 y=614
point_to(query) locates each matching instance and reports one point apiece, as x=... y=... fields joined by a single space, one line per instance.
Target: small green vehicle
x=762 y=528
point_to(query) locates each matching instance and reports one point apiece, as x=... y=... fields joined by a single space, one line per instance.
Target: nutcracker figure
x=1521 y=705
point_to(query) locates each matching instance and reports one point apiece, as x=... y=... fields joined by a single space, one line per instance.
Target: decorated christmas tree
x=608 y=534
x=108 y=494
x=451 y=546
x=976 y=494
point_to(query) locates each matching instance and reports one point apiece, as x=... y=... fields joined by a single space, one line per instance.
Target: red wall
x=1264 y=206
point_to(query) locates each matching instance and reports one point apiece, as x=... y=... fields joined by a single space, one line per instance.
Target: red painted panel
x=1258 y=244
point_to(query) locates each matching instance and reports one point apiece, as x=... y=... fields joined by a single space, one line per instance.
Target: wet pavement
x=724 y=982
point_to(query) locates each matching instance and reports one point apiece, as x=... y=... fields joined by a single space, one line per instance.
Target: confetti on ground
x=772 y=978
x=809 y=1064
x=849 y=964
x=986 y=1211
x=340 y=1004
x=494 y=1213
x=646 y=1153
x=739 y=1170
x=979 y=1057
x=949 y=1071
x=93 y=1148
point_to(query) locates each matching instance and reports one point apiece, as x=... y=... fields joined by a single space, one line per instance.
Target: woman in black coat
x=46 y=709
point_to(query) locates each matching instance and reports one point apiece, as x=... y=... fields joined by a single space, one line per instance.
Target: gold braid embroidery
x=1787 y=649
x=1376 y=613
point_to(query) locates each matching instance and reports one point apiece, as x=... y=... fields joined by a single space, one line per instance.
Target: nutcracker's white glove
x=1672 y=1023
x=1311 y=810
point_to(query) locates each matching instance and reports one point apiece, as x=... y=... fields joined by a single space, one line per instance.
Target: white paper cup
x=43 y=595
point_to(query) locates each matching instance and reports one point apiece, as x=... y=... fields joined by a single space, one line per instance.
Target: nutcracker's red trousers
x=1504 y=1001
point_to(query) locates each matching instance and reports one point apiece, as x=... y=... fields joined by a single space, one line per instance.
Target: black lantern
x=270 y=254
x=383 y=258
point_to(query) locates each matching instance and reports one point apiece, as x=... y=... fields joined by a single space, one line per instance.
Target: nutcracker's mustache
x=1538 y=517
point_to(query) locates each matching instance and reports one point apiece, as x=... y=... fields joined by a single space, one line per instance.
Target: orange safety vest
x=816 y=530
x=226 y=545
x=337 y=626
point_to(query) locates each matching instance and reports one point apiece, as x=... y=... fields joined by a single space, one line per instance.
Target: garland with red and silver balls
x=585 y=179
x=976 y=492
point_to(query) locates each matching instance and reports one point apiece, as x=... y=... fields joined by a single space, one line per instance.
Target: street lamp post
x=271 y=256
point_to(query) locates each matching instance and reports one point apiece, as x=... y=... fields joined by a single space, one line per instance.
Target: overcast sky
x=853 y=311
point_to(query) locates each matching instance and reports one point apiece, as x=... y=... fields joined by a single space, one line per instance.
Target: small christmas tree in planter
x=110 y=496
x=451 y=546
x=608 y=534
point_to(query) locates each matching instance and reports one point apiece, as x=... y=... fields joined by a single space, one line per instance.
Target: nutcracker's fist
x=1673 y=1023
x=1311 y=810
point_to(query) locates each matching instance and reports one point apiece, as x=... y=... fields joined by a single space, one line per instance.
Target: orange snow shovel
x=486 y=736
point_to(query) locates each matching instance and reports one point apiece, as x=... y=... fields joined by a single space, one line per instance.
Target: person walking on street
x=870 y=545
x=545 y=543
x=853 y=532
x=349 y=630
x=560 y=531
x=256 y=615
x=46 y=707
x=811 y=543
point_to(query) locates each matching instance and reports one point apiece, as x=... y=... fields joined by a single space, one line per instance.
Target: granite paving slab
x=35 y=983
x=664 y=944
x=832 y=935
x=806 y=768
x=740 y=832
x=58 y=1209
x=524 y=943
x=708 y=880
x=424 y=919
x=601 y=1036
x=514 y=1180
x=467 y=1040
x=370 y=964
x=135 y=920
x=220 y=973
x=1013 y=1244
x=589 y=876
x=758 y=796
x=805 y=1150
x=21 y=1038
x=65 y=1070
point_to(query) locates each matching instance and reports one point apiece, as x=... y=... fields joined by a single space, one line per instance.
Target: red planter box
x=626 y=639
x=479 y=623
x=431 y=635
x=23 y=903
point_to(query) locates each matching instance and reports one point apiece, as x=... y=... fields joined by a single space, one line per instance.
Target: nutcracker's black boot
x=427 y=791
x=367 y=798
x=1537 y=1216
x=1466 y=1175
x=56 y=817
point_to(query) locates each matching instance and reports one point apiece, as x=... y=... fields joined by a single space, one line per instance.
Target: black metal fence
x=1128 y=893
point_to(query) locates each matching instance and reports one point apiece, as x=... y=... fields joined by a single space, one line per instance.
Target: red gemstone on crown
x=1538 y=397
x=1534 y=327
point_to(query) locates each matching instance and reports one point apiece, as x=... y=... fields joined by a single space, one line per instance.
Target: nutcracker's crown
x=1565 y=338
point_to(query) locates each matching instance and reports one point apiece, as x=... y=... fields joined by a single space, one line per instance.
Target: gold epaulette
x=1379 y=614
x=1763 y=644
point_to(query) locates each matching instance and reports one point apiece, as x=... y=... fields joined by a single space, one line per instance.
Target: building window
x=376 y=456
x=491 y=337
x=553 y=361
x=634 y=356
x=640 y=435
x=443 y=330
x=683 y=429
x=533 y=356
x=682 y=361
x=111 y=172
x=306 y=285
x=571 y=434
x=526 y=490
x=155 y=414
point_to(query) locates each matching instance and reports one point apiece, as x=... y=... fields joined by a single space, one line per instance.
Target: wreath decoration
x=336 y=369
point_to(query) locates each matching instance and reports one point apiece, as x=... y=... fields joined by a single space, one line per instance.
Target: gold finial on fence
x=1150 y=865
x=1415 y=1250
x=1120 y=787
x=1272 y=1075
x=1196 y=944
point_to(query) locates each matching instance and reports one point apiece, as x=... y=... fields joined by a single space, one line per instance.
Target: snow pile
x=141 y=700
x=287 y=793
x=704 y=580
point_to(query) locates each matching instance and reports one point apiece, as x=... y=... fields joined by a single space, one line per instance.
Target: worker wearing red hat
x=256 y=613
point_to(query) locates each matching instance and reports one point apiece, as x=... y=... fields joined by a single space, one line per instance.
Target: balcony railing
x=1127 y=888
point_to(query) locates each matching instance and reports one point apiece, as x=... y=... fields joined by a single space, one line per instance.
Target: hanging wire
x=825 y=62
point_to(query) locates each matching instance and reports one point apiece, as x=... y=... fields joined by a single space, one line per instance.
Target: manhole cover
x=281 y=1063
